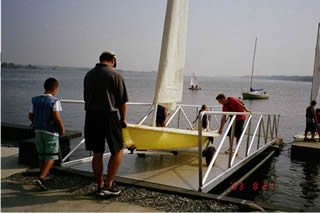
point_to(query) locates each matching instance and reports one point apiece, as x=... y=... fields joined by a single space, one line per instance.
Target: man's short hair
x=107 y=56
x=50 y=84
x=313 y=103
x=220 y=96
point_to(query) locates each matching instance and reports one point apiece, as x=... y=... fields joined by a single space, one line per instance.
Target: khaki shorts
x=47 y=146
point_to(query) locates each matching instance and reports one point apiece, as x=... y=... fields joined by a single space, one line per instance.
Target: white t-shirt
x=56 y=108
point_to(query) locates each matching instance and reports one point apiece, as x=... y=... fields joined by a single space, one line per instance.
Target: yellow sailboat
x=148 y=137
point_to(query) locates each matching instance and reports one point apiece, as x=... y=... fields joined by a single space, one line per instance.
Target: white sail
x=193 y=81
x=316 y=71
x=169 y=85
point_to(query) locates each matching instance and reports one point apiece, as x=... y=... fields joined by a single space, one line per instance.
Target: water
x=295 y=183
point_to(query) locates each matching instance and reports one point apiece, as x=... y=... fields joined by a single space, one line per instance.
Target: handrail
x=271 y=128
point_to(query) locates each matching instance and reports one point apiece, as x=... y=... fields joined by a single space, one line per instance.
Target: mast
x=254 y=56
x=316 y=71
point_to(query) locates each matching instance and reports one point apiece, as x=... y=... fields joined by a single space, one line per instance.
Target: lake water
x=295 y=183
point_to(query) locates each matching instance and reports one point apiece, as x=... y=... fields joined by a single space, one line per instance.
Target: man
x=105 y=97
x=310 y=122
x=232 y=104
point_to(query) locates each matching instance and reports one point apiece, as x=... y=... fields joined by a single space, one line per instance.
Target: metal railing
x=270 y=131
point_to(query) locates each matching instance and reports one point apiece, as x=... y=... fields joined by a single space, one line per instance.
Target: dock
x=300 y=147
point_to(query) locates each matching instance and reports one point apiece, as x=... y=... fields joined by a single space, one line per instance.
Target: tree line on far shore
x=283 y=77
x=18 y=66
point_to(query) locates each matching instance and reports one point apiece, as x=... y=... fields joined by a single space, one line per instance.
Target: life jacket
x=43 y=113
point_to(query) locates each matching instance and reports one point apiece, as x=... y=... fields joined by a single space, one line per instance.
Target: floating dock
x=301 y=147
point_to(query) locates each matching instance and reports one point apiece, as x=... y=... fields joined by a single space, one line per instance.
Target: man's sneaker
x=100 y=192
x=42 y=184
x=111 y=191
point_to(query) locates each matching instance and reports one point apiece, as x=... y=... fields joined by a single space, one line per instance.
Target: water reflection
x=310 y=184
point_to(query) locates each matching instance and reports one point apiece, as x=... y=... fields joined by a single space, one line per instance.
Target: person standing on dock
x=310 y=121
x=205 y=120
x=105 y=97
x=232 y=104
x=45 y=117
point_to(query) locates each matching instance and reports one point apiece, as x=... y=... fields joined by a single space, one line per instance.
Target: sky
x=220 y=37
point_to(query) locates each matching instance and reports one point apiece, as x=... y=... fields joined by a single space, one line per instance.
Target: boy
x=45 y=117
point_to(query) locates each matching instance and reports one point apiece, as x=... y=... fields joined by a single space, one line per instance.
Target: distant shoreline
x=42 y=67
x=283 y=77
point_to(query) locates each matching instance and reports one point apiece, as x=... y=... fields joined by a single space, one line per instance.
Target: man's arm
x=123 y=113
x=244 y=107
x=57 y=118
x=223 y=120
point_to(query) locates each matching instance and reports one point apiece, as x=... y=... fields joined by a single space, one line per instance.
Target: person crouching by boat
x=105 y=97
x=310 y=122
x=232 y=104
x=45 y=117
x=205 y=118
x=162 y=113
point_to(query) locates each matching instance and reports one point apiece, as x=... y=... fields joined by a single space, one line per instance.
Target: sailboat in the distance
x=255 y=93
x=194 y=83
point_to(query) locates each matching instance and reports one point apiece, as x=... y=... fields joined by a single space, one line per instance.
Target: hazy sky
x=220 y=37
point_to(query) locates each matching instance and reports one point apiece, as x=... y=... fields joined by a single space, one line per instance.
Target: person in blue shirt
x=45 y=117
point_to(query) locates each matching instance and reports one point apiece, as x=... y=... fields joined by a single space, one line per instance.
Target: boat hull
x=194 y=88
x=147 y=137
x=248 y=95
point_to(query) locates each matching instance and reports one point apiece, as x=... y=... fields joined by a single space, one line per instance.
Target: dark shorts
x=238 y=128
x=100 y=126
x=311 y=127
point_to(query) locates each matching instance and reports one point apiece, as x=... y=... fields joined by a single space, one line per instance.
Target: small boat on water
x=254 y=93
x=193 y=83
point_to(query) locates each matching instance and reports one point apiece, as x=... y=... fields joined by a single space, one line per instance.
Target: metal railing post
x=200 y=150
x=277 y=125
x=179 y=118
x=248 y=138
x=231 y=142
x=259 y=133
x=266 y=136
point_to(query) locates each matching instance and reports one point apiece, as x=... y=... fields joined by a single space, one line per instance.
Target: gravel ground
x=163 y=201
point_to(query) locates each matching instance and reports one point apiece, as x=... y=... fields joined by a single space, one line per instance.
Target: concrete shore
x=18 y=197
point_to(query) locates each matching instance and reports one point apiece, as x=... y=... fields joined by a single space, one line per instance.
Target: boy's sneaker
x=42 y=184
